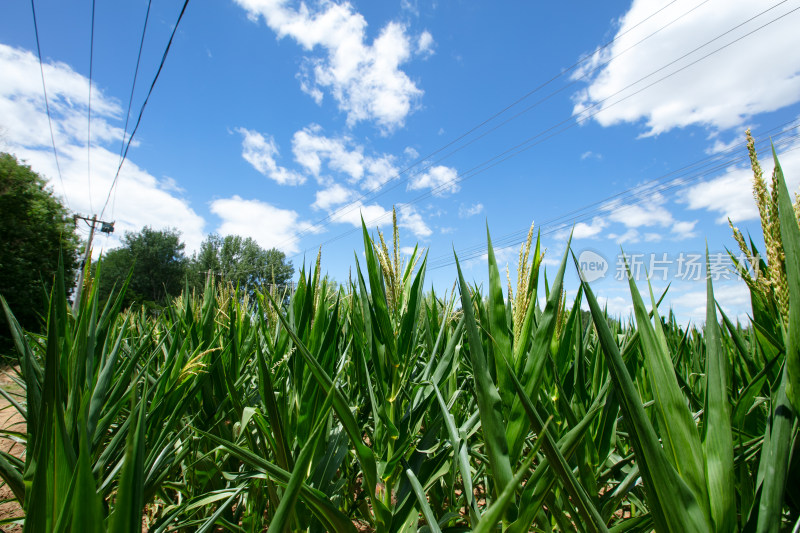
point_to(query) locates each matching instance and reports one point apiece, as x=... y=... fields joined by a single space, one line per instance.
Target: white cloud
x=374 y=215
x=364 y=79
x=630 y=236
x=506 y=255
x=583 y=230
x=465 y=211
x=380 y=170
x=140 y=200
x=411 y=6
x=311 y=149
x=684 y=230
x=270 y=226
x=647 y=212
x=720 y=146
x=409 y=218
x=731 y=194
x=425 y=44
x=734 y=298
x=617 y=306
x=261 y=152
x=317 y=152
x=440 y=179
x=720 y=92
x=332 y=196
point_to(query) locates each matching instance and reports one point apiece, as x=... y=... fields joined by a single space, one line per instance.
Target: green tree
x=240 y=261
x=158 y=262
x=34 y=229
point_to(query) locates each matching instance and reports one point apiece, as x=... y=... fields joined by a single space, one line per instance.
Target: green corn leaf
x=588 y=512
x=318 y=501
x=673 y=505
x=282 y=454
x=679 y=432
x=533 y=365
x=225 y=506
x=13 y=478
x=378 y=292
x=790 y=236
x=280 y=520
x=427 y=512
x=87 y=508
x=342 y=409
x=459 y=450
x=774 y=465
x=127 y=514
x=50 y=468
x=498 y=322
x=489 y=405
x=494 y=513
x=717 y=440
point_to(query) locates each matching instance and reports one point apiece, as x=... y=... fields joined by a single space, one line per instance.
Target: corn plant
x=379 y=406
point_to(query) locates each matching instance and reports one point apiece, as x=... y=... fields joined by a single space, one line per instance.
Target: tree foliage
x=240 y=261
x=156 y=261
x=35 y=228
x=160 y=269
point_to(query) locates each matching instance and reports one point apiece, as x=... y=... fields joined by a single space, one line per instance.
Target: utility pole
x=105 y=227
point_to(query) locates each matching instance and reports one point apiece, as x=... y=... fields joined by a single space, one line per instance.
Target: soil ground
x=10 y=420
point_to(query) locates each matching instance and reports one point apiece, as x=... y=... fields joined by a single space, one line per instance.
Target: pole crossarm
x=105 y=227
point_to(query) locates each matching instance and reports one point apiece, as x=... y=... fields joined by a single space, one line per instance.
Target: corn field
x=378 y=406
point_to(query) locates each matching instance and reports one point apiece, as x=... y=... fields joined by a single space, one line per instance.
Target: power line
x=529 y=142
x=352 y=205
x=640 y=191
x=130 y=100
x=144 y=104
x=681 y=179
x=47 y=105
x=553 y=225
x=89 y=115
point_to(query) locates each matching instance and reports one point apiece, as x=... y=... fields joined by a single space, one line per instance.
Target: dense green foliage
x=240 y=261
x=35 y=229
x=157 y=264
x=160 y=270
x=382 y=407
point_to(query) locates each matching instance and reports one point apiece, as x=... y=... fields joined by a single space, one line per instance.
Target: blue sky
x=284 y=121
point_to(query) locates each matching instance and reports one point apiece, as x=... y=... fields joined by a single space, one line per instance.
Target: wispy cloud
x=318 y=153
x=648 y=210
x=260 y=151
x=466 y=211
